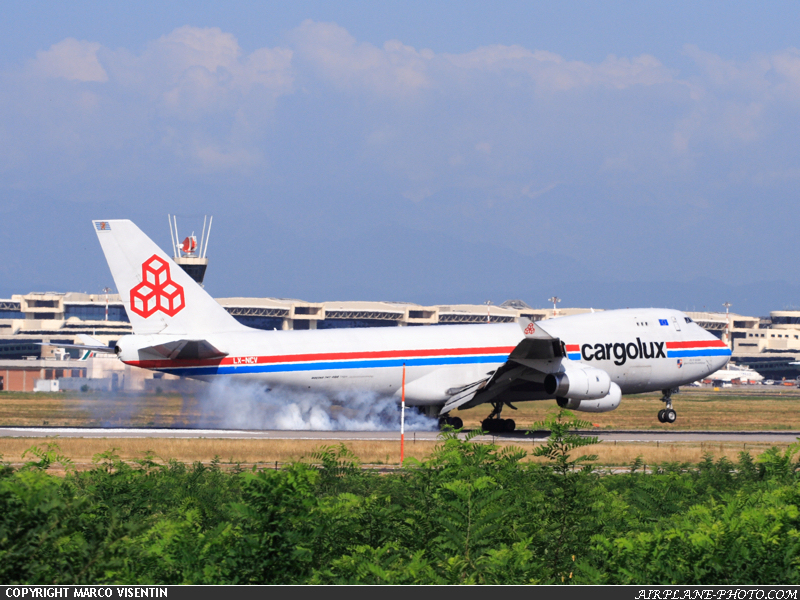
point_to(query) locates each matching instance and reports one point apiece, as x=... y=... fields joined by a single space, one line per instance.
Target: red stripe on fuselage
x=288 y=358
x=700 y=344
x=573 y=348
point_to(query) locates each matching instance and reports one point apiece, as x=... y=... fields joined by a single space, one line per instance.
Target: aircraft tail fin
x=158 y=295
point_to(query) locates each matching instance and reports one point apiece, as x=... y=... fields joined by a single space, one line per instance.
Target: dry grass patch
x=756 y=408
x=674 y=452
x=95 y=409
x=743 y=408
x=247 y=452
x=266 y=453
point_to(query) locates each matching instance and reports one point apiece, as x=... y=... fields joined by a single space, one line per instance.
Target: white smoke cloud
x=230 y=404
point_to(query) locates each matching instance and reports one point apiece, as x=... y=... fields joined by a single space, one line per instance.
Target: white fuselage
x=641 y=350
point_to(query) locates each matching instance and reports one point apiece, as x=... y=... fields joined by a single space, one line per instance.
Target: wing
x=521 y=377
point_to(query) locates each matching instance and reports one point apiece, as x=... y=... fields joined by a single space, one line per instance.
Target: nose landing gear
x=668 y=414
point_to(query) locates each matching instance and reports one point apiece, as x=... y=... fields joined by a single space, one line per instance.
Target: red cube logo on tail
x=157 y=290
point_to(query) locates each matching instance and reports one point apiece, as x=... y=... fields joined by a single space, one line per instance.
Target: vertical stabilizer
x=158 y=295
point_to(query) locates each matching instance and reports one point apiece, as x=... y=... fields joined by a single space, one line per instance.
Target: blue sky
x=615 y=154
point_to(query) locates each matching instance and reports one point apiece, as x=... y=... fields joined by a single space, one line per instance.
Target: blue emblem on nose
x=663 y=322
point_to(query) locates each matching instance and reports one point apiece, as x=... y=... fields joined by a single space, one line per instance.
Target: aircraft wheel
x=670 y=415
x=661 y=416
x=509 y=425
x=454 y=422
x=490 y=425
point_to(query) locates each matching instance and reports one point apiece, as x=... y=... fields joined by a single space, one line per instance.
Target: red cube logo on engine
x=157 y=290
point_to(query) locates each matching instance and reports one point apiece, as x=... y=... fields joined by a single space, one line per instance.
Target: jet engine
x=585 y=383
x=586 y=389
x=605 y=404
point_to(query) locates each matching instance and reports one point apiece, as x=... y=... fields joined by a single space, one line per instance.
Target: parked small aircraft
x=585 y=362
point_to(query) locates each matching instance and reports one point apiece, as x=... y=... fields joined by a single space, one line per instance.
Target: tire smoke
x=238 y=405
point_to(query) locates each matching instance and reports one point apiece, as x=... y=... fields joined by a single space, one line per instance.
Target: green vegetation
x=469 y=513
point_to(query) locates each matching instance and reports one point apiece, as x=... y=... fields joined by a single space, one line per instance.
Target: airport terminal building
x=28 y=322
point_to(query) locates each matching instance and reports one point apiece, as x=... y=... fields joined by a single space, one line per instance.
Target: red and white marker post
x=403 y=417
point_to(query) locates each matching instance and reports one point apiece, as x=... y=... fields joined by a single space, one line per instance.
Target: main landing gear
x=454 y=422
x=668 y=414
x=494 y=424
x=432 y=412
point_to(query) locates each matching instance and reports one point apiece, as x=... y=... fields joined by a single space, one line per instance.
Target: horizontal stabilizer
x=186 y=350
x=94 y=348
x=91 y=342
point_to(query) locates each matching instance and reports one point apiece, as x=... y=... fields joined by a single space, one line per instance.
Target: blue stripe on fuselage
x=335 y=365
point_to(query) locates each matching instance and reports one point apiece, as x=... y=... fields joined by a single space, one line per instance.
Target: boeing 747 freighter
x=584 y=362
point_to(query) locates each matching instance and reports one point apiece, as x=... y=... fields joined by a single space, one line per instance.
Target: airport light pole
x=106 y=290
x=727 y=305
x=488 y=313
x=555 y=300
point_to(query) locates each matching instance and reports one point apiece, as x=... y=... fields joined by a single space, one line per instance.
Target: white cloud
x=418 y=195
x=210 y=50
x=337 y=56
x=786 y=66
x=484 y=119
x=194 y=72
x=735 y=102
x=619 y=162
x=528 y=192
x=741 y=77
x=553 y=72
x=71 y=59
x=216 y=158
x=189 y=47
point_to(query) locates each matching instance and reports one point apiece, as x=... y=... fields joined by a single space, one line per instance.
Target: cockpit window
x=688 y=320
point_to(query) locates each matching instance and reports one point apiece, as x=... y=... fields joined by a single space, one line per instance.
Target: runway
x=778 y=437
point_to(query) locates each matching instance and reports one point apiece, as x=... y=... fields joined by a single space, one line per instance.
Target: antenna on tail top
x=187 y=253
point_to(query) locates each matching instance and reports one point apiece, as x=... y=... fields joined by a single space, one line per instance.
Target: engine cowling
x=605 y=404
x=578 y=384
